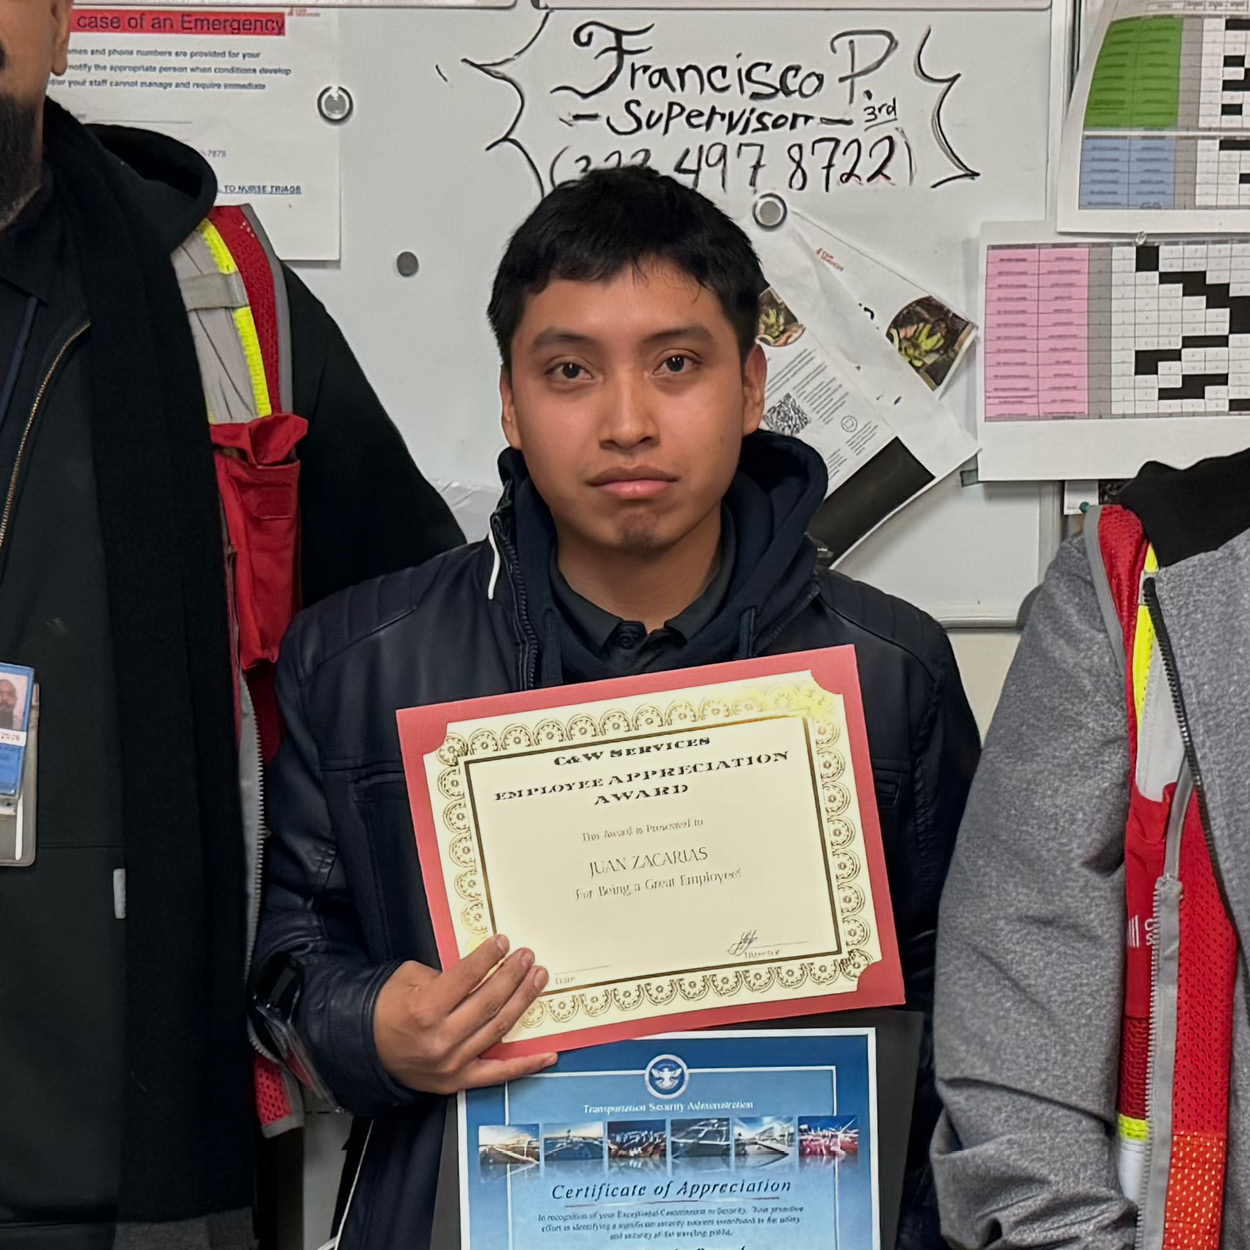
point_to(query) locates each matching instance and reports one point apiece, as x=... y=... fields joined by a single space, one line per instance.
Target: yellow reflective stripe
x=244 y=323
x=1143 y=641
x=246 y=326
x=1133 y=1130
x=217 y=247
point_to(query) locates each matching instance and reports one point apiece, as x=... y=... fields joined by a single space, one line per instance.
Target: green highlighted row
x=1137 y=79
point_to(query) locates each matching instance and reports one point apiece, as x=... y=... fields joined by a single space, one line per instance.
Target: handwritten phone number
x=824 y=164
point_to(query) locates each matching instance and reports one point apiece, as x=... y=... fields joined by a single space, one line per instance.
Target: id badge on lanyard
x=19 y=698
x=19 y=761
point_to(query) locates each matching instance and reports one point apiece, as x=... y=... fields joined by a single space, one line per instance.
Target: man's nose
x=629 y=418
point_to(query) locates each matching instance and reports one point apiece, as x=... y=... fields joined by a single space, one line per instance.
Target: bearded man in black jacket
x=645 y=525
x=125 y=1069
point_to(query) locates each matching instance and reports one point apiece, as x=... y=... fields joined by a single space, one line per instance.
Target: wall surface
x=984 y=657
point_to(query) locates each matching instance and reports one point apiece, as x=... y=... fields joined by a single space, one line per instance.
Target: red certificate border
x=424 y=729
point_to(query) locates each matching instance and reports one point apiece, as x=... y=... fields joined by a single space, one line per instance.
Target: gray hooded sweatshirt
x=1032 y=929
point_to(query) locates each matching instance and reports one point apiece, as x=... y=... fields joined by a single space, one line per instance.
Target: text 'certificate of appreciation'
x=692 y=847
x=754 y=1140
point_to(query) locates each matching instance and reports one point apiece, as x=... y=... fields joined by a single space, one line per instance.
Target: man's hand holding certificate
x=679 y=850
x=431 y=1028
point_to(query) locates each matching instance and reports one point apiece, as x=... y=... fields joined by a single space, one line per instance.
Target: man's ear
x=754 y=378
x=511 y=430
x=62 y=12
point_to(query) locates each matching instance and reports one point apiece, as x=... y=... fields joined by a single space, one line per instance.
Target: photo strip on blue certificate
x=741 y=1140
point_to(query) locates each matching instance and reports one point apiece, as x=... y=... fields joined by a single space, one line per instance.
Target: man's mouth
x=636 y=482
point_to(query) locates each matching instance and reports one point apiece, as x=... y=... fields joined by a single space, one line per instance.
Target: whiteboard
x=462 y=117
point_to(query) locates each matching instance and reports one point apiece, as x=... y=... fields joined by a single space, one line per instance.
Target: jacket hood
x=173 y=184
x=778 y=487
x=1188 y=511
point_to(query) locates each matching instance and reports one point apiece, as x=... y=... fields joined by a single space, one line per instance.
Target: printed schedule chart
x=1107 y=330
x=1167 y=117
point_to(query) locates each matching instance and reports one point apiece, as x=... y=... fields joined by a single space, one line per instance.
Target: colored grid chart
x=1167 y=119
x=1107 y=330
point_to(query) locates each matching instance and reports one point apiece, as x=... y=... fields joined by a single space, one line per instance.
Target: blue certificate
x=743 y=1140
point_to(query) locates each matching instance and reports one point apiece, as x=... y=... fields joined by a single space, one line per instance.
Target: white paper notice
x=921 y=326
x=240 y=86
x=808 y=397
x=835 y=381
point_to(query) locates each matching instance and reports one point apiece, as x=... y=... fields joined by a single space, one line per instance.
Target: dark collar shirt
x=625 y=647
x=36 y=277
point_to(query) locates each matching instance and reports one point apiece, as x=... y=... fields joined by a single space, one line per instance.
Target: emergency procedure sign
x=240 y=86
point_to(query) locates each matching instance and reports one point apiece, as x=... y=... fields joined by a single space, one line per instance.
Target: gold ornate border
x=809 y=700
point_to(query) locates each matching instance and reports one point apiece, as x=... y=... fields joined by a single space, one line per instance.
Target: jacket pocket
x=889 y=780
x=404 y=929
x=258 y=480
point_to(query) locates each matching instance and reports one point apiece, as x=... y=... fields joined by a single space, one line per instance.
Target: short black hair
x=590 y=229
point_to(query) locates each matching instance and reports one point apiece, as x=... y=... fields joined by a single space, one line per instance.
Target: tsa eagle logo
x=666 y=1077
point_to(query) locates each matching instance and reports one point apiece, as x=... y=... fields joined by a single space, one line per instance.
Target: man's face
x=34 y=39
x=629 y=400
x=8 y=695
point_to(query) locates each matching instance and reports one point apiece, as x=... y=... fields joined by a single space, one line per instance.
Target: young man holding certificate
x=646 y=525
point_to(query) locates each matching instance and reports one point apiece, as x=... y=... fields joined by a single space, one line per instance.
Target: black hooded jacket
x=344 y=898
x=72 y=1086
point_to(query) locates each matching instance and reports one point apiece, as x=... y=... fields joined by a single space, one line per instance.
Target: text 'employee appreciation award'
x=679 y=849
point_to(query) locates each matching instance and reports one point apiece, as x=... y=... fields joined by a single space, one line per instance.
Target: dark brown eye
x=676 y=364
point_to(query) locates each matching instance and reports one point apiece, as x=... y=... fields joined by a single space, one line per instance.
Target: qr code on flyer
x=787 y=416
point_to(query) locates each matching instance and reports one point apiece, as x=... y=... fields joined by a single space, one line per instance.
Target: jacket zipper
x=529 y=639
x=258 y=870
x=258 y=876
x=1150 y=594
x=7 y=516
x=1168 y=890
x=248 y=728
x=258 y=758
x=1161 y=1053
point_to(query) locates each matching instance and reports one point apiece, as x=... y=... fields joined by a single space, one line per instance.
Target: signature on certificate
x=749 y=946
x=744 y=944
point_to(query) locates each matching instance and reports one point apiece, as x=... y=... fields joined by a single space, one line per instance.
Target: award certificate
x=700 y=846
x=749 y=1141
